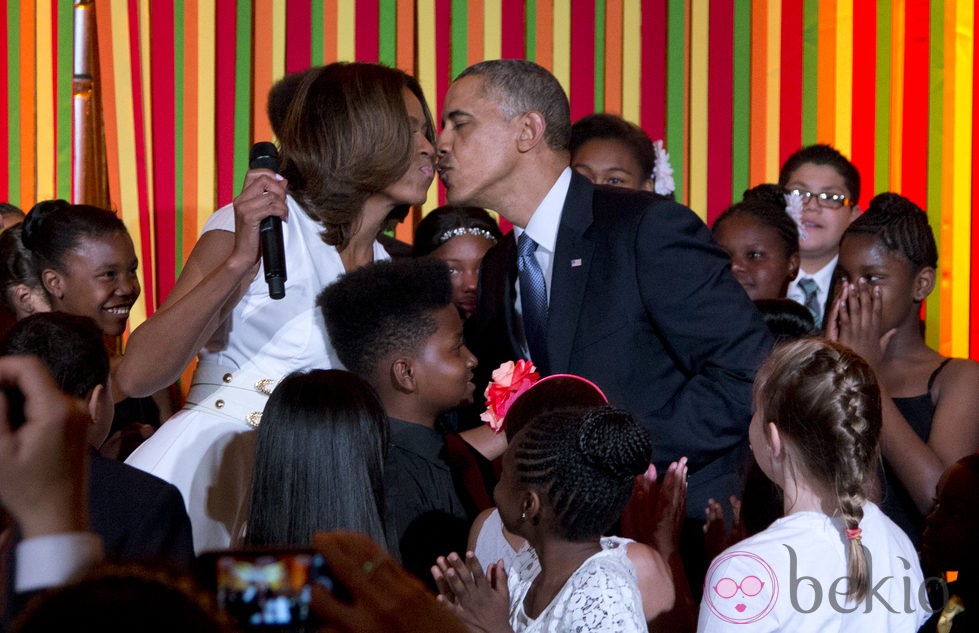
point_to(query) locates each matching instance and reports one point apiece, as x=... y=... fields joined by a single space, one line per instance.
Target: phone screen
x=269 y=589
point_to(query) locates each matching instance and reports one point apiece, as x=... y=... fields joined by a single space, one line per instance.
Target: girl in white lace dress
x=566 y=478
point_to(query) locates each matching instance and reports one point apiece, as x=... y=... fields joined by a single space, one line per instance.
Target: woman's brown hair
x=825 y=399
x=345 y=137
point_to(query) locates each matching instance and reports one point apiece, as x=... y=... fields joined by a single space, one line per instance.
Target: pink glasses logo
x=748 y=597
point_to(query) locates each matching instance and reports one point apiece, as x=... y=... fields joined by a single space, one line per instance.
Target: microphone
x=264 y=156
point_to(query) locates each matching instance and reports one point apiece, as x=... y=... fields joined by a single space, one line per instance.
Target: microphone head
x=263 y=155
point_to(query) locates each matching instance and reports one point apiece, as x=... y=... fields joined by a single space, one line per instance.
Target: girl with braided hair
x=834 y=561
x=887 y=267
x=566 y=477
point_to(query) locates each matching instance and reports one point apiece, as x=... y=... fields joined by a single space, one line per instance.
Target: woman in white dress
x=356 y=145
x=566 y=478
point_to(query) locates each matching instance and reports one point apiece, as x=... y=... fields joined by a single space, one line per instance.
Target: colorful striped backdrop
x=732 y=86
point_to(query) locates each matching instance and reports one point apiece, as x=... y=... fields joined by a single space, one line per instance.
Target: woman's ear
x=775 y=442
x=530 y=506
x=923 y=283
x=793 y=270
x=54 y=283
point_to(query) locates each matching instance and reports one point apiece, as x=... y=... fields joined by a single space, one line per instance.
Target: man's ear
x=22 y=299
x=402 y=375
x=93 y=403
x=532 y=128
x=924 y=283
x=53 y=283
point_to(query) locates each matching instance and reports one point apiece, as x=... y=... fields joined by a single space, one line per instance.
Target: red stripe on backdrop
x=720 y=96
x=366 y=45
x=914 y=166
x=139 y=125
x=582 y=58
x=652 y=98
x=513 y=44
x=790 y=80
x=299 y=42
x=225 y=15
x=974 y=280
x=5 y=97
x=864 y=92
x=165 y=156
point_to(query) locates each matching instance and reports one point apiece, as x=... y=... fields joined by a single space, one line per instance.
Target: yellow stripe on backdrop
x=897 y=92
x=562 y=43
x=631 y=60
x=773 y=75
x=942 y=218
x=128 y=196
x=843 y=135
x=425 y=19
x=346 y=31
x=961 y=229
x=492 y=29
x=206 y=98
x=278 y=40
x=44 y=100
x=699 y=47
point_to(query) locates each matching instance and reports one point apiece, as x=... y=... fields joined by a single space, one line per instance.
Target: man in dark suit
x=617 y=286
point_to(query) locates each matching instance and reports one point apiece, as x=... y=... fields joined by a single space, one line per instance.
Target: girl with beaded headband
x=887 y=268
x=459 y=236
x=815 y=433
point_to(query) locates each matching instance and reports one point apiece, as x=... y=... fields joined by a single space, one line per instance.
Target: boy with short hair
x=394 y=324
x=830 y=188
x=139 y=517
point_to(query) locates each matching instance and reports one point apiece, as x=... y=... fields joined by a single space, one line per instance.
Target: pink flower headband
x=509 y=381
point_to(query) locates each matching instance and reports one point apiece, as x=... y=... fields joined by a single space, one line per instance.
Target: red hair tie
x=853 y=533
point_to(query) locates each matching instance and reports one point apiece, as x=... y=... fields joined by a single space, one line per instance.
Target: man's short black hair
x=70 y=346
x=382 y=308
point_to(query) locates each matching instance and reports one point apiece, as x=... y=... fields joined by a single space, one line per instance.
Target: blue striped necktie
x=533 y=300
x=810 y=291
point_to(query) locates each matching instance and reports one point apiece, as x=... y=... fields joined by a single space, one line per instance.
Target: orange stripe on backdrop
x=474 y=31
x=103 y=23
x=331 y=45
x=206 y=108
x=759 y=88
x=613 y=56
x=844 y=77
x=263 y=29
x=406 y=36
x=44 y=98
x=825 y=73
x=945 y=185
x=544 y=33
x=27 y=99
x=772 y=114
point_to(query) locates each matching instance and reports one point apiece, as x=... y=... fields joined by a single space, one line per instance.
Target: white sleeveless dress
x=206 y=449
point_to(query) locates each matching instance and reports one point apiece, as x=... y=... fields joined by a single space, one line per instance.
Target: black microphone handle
x=273 y=255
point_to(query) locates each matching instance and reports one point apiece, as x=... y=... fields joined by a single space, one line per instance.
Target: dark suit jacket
x=644 y=304
x=139 y=516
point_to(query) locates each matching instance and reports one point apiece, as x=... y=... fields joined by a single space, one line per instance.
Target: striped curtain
x=732 y=87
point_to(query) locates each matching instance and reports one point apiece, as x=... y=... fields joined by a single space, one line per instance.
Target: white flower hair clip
x=662 y=171
x=793 y=206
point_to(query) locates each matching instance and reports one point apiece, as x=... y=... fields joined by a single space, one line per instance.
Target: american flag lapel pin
x=576 y=262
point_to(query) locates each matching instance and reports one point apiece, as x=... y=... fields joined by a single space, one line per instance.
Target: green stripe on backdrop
x=810 y=75
x=387 y=33
x=676 y=48
x=599 y=55
x=936 y=119
x=243 y=91
x=459 y=51
x=13 y=102
x=530 y=29
x=741 y=100
x=315 y=33
x=882 y=112
x=63 y=100
x=179 y=116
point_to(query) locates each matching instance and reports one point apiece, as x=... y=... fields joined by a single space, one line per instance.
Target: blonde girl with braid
x=834 y=561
